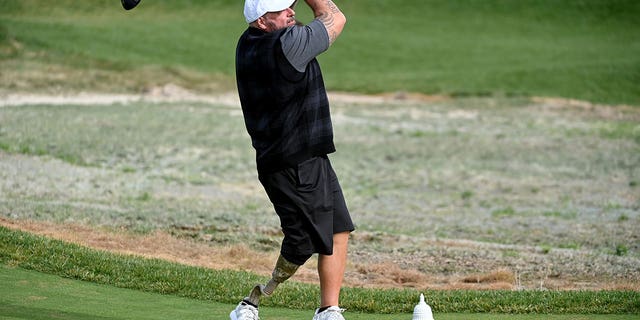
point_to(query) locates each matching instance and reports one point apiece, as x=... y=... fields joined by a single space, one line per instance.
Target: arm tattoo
x=332 y=6
x=328 y=20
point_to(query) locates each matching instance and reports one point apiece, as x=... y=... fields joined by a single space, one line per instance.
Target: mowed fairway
x=584 y=50
x=36 y=296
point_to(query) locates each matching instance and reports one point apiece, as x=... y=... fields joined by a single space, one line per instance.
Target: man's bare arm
x=330 y=15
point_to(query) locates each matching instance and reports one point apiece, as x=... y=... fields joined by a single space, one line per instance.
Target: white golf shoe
x=244 y=311
x=332 y=313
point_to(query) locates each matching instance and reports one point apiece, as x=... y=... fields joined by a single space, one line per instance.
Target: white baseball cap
x=254 y=9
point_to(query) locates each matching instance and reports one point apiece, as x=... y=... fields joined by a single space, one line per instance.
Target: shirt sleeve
x=301 y=44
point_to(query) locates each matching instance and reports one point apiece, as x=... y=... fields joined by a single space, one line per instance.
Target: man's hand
x=330 y=15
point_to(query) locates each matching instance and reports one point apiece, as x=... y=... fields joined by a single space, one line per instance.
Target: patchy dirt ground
x=377 y=259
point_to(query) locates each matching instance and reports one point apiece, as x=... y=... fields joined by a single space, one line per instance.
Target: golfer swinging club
x=286 y=113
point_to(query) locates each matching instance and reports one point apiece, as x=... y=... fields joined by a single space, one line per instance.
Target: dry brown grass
x=499 y=279
x=388 y=273
x=491 y=277
x=162 y=245
x=384 y=273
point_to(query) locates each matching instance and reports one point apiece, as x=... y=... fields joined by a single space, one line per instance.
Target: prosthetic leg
x=282 y=271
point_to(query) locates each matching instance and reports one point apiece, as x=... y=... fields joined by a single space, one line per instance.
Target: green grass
x=71 y=261
x=576 y=49
x=31 y=295
x=22 y=250
x=516 y=173
x=37 y=296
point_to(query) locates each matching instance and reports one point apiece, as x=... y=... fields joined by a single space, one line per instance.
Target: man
x=286 y=113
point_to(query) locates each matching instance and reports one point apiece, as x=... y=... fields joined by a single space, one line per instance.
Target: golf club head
x=129 y=4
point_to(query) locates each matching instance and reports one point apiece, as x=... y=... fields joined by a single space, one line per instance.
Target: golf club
x=129 y=4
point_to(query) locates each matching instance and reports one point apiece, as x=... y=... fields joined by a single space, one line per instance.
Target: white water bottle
x=422 y=311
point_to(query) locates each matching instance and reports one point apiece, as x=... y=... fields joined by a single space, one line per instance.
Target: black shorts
x=309 y=201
